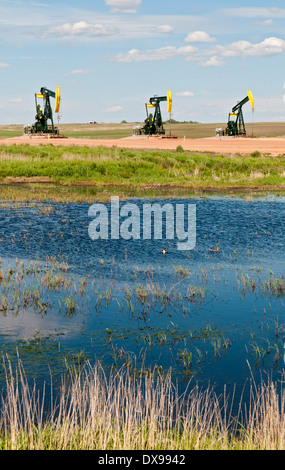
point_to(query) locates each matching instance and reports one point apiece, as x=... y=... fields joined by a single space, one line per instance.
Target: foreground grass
x=105 y=166
x=124 y=412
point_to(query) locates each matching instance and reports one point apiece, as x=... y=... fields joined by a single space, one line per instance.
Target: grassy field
x=10 y=131
x=199 y=131
x=118 y=131
x=102 y=166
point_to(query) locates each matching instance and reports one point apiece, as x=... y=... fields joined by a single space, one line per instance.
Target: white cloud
x=199 y=36
x=4 y=66
x=114 y=109
x=207 y=57
x=125 y=6
x=214 y=61
x=165 y=28
x=240 y=49
x=184 y=93
x=80 y=28
x=185 y=50
x=163 y=53
x=270 y=46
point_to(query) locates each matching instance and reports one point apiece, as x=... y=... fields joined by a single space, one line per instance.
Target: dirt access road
x=224 y=145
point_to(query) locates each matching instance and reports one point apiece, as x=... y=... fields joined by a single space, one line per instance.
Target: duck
x=163 y=251
x=215 y=250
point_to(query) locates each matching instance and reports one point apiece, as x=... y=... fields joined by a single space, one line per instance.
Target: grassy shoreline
x=142 y=171
x=23 y=193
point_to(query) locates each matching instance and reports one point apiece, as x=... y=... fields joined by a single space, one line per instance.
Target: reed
x=126 y=412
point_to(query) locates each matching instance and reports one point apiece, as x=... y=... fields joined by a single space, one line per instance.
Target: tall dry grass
x=124 y=412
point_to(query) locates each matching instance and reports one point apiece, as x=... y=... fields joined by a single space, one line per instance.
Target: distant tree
x=173 y=121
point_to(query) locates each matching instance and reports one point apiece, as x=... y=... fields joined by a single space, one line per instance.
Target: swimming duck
x=215 y=250
x=163 y=251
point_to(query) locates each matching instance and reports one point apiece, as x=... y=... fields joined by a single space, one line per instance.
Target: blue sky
x=110 y=56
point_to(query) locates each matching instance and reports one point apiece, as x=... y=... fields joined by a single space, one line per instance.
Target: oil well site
x=156 y=131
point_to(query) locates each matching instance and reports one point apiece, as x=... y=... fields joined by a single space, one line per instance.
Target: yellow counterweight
x=57 y=99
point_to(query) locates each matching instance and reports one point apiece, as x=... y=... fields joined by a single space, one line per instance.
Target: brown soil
x=272 y=146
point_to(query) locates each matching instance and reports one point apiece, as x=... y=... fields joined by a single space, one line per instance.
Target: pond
x=211 y=317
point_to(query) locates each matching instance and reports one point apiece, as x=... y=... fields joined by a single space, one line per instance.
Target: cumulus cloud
x=213 y=56
x=270 y=46
x=199 y=36
x=240 y=49
x=125 y=6
x=163 y=53
x=165 y=28
x=80 y=28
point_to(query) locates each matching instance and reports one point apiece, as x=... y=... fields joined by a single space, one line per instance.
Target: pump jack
x=236 y=124
x=153 y=124
x=44 y=118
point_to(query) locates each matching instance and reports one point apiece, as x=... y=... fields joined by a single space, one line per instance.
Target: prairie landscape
x=142 y=202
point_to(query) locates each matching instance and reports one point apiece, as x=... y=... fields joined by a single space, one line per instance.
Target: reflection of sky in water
x=26 y=324
x=211 y=336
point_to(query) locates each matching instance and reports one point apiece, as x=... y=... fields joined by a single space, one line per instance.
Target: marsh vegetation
x=88 y=329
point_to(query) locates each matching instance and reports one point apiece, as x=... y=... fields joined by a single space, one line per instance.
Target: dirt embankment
x=244 y=146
